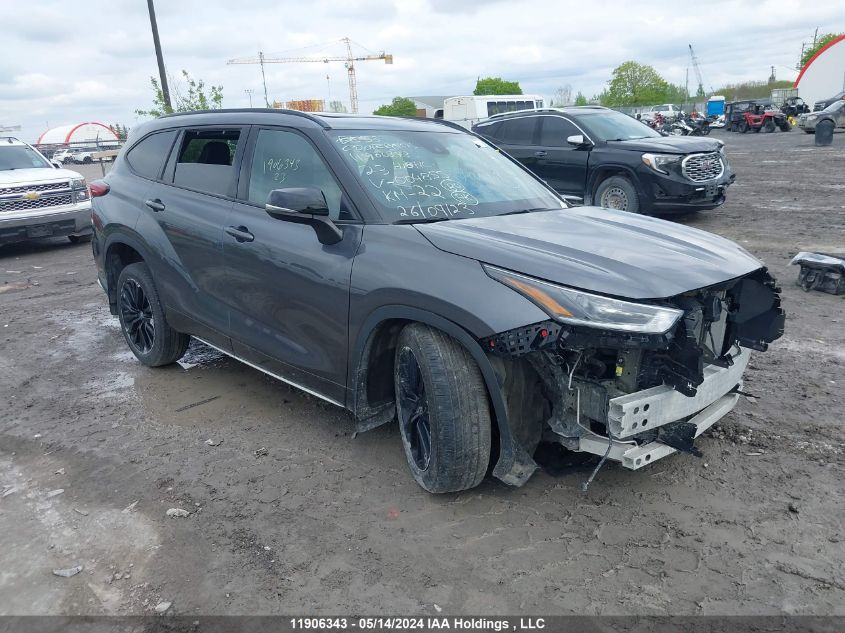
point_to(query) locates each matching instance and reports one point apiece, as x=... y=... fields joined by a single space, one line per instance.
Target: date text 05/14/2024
x=455 y=623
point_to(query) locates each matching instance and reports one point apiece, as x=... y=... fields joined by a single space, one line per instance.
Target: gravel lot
x=330 y=523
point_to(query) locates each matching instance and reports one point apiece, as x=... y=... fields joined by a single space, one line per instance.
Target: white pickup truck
x=39 y=198
x=669 y=111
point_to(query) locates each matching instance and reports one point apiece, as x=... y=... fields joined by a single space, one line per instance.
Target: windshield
x=833 y=107
x=609 y=125
x=20 y=157
x=427 y=176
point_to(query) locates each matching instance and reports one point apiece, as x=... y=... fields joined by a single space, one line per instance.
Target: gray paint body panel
x=604 y=251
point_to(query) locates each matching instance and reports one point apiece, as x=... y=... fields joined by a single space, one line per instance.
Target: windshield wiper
x=421 y=220
x=526 y=211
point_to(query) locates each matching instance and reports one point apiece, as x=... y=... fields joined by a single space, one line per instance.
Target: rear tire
x=443 y=410
x=617 y=192
x=142 y=321
x=743 y=127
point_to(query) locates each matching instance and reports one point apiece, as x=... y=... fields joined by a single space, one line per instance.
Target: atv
x=755 y=115
x=794 y=107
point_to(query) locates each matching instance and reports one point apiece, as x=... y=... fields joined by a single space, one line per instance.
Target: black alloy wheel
x=413 y=409
x=137 y=316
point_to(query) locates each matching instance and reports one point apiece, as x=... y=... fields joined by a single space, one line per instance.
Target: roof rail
x=445 y=122
x=304 y=115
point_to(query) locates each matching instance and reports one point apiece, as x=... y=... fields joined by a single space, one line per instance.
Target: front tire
x=443 y=410
x=142 y=321
x=617 y=192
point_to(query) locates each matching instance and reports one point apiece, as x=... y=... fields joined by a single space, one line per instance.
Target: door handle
x=156 y=205
x=540 y=153
x=240 y=233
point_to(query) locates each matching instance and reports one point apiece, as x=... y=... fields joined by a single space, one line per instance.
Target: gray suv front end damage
x=636 y=398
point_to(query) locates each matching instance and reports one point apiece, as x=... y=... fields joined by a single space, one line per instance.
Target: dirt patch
x=324 y=522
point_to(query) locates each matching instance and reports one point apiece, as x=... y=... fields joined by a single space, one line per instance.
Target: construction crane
x=349 y=61
x=700 y=91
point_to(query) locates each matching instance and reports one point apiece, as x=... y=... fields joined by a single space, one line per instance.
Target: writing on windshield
x=426 y=175
x=405 y=180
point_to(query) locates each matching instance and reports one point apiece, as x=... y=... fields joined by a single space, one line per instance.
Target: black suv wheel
x=142 y=320
x=443 y=411
x=617 y=192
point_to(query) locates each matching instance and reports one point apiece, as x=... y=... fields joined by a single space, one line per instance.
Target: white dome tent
x=823 y=75
x=91 y=133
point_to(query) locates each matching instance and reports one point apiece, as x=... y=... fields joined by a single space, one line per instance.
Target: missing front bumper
x=635 y=456
x=651 y=409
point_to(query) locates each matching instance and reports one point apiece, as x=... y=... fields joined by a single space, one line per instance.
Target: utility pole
x=165 y=91
x=248 y=91
x=772 y=77
x=263 y=78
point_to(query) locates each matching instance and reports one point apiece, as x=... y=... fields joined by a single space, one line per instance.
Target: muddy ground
x=325 y=522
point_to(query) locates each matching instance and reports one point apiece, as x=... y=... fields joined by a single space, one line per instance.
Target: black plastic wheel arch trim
x=515 y=465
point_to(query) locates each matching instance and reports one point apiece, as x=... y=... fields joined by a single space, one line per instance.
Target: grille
x=46 y=201
x=49 y=186
x=701 y=167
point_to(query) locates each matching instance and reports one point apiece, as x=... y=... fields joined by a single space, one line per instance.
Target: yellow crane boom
x=349 y=60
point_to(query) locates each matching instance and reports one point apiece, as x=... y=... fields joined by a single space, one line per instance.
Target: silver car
x=834 y=112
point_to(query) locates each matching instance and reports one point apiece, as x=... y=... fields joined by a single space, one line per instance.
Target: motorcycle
x=700 y=125
x=682 y=127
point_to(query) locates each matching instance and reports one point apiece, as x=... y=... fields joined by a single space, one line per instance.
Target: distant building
x=303 y=105
x=823 y=75
x=431 y=107
x=79 y=135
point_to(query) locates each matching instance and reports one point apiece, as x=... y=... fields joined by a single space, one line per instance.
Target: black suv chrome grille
x=49 y=186
x=701 y=167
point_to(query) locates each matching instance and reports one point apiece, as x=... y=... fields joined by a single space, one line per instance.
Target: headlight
x=80 y=189
x=721 y=148
x=660 y=162
x=583 y=308
x=812 y=117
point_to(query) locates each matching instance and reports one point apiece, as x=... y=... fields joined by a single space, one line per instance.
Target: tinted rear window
x=518 y=131
x=147 y=157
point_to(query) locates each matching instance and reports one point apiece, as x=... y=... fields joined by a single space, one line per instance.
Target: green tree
x=821 y=42
x=184 y=98
x=580 y=99
x=635 y=84
x=496 y=86
x=400 y=106
x=751 y=89
x=120 y=130
x=336 y=106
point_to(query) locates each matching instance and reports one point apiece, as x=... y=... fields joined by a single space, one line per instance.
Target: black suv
x=600 y=156
x=408 y=269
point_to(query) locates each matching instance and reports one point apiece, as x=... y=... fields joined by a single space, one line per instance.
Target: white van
x=467 y=111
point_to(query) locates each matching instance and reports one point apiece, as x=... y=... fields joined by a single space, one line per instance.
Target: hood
x=669 y=144
x=608 y=252
x=35 y=175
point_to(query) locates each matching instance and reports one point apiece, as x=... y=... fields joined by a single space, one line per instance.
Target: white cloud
x=67 y=62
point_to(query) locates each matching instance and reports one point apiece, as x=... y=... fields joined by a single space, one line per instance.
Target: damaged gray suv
x=407 y=270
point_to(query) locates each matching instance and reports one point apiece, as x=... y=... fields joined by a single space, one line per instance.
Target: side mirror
x=304 y=205
x=297 y=200
x=56 y=164
x=577 y=140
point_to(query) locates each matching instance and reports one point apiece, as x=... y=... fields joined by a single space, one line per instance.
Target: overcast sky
x=90 y=60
